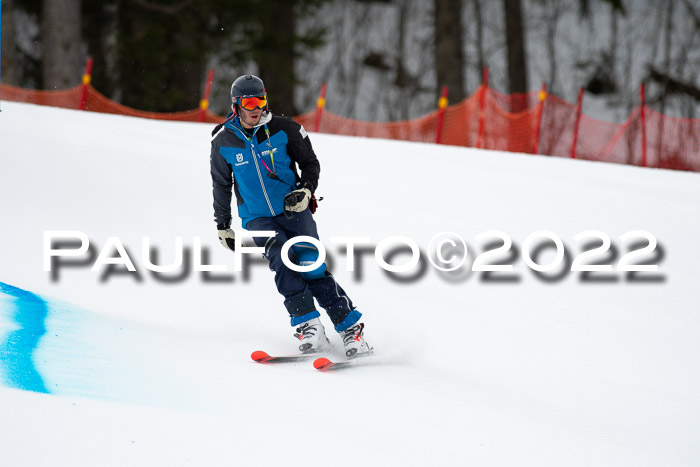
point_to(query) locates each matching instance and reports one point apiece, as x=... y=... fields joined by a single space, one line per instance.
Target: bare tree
x=402 y=79
x=694 y=14
x=351 y=75
x=667 y=52
x=276 y=59
x=552 y=16
x=449 y=59
x=10 y=60
x=61 y=38
x=515 y=43
x=481 y=60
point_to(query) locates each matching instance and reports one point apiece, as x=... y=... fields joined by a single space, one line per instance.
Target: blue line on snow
x=17 y=350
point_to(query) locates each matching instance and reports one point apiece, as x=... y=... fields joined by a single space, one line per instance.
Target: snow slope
x=108 y=367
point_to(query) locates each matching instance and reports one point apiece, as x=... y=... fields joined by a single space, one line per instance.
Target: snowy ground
x=561 y=368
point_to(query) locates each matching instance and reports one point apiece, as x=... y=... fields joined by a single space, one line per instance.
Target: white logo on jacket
x=239 y=158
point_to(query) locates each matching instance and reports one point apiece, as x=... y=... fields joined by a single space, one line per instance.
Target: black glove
x=227 y=237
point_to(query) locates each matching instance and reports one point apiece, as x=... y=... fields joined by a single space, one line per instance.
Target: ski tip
x=322 y=363
x=259 y=356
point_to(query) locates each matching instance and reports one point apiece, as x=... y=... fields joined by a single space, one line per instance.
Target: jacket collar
x=264 y=120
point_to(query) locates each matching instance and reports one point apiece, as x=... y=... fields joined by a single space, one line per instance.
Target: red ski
x=262 y=357
x=325 y=364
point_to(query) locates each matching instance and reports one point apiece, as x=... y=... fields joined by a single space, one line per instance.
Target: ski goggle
x=252 y=103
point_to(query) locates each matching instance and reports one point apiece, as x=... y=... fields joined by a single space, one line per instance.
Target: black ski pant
x=299 y=291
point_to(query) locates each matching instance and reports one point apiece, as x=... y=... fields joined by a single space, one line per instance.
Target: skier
x=256 y=154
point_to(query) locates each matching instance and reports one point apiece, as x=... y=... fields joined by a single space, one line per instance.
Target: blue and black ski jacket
x=242 y=161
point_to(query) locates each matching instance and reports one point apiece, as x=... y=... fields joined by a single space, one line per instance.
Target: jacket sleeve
x=300 y=151
x=222 y=182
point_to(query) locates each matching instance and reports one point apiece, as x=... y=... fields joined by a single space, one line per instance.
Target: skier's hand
x=227 y=237
x=297 y=200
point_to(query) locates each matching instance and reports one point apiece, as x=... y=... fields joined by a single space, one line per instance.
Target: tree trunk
x=668 y=30
x=98 y=25
x=449 y=59
x=553 y=16
x=481 y=60
x=61 y=34
x=160 y=63
x=10 y=60
x=403 y=79
x=276 y=60
x=515 y=43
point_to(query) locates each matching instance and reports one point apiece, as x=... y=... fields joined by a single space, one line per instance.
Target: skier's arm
x=222 y=182
x=300 y=150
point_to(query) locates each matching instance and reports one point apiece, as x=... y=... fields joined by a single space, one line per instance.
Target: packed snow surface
x=555 y=368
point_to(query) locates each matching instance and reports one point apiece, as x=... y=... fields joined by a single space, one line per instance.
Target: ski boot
x=354 y=341
x=312 y=336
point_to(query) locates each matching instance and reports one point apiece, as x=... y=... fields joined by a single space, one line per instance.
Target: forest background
x=382 y=60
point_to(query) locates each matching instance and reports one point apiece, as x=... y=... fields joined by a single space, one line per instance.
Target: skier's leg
x=298 y=297
x=335 y=301
x=329 y=294
x=332 y=298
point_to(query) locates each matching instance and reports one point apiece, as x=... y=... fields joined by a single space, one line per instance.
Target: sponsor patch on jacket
x=239 y=158
x=302 y=131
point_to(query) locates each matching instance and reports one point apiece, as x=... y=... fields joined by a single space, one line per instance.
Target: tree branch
x=167 y=9
x=674 y=86
x=693 y=13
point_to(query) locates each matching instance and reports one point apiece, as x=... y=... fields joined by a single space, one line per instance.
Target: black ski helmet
x=246 y=86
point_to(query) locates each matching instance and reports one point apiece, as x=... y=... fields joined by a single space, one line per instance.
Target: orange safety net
x=67 y=99
x=487 y=120
x=419 y=129
x=672 y=143
x=508 y=122
x=96 y=102
x=461 y=123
